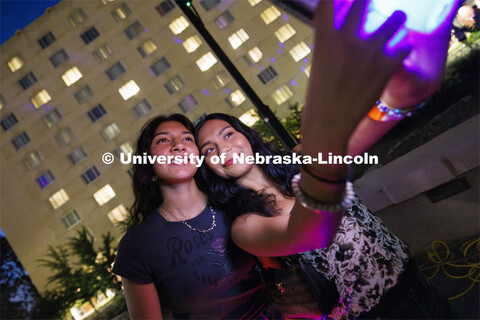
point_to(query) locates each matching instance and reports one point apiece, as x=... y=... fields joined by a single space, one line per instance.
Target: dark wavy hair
x=234 y=198
x=147 y=192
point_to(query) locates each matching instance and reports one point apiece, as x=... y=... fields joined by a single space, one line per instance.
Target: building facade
x=83 y=78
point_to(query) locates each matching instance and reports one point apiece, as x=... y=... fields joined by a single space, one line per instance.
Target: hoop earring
x=154 y=178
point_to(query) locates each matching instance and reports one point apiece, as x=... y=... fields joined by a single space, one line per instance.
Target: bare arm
x=348 y=75
x=142 y=300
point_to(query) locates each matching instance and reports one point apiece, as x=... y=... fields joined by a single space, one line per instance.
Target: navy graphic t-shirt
x=193 y=272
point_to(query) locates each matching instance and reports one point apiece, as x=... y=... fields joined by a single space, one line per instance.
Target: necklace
x=191 y=227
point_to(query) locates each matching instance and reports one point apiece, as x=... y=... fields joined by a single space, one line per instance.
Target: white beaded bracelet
x=312 y=204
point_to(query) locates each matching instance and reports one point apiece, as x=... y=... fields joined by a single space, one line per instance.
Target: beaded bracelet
x=312 y=204
x=383 y=112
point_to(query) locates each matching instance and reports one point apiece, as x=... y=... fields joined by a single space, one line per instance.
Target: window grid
x=15 y=63
x=285 y=32
x=90 y=35
x=165 y=7
x=300 y=51
x=209 y=4
x=58 y=199
x=206 y=61
x=192 y=43
x=102 y=53
x=128 y=90
x=238 y=38
x=188 y=103
x=47 y=40
x=83 y=95
x=124 y=148
x=45 y=179
x=253 y=3
x=254 y=55
x=9 y=121
x=121 y=12
x=110 y=132
x=147 y=48
x=28 y=80
x=96 y=113
x=267 y=75
x=41 y=98
x=71 y=76
x=77 y=155
x=224 y=20
x=160 y=66
x=71 y=219
x=282 y=94
x=77 y=17
x=21 y=140
x=33 y=159
x=236 y=98
x=178 y=25
x=134 y=30
x=90 y=175
x=270 y=14
x=59 y=57
x=142 y=108
x=220 y=80
x=104 y=195
x=52 y=118
x=174 y=85
x=118 y=214
x=64 y=137
x=115 y=71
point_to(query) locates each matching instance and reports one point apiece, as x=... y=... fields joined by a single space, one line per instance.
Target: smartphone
x=423 y=16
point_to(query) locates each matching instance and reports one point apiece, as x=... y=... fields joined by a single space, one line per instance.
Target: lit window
x=282 y=94
x=128 y=90
x=284 y=33
x=165 y=7
x=160 y=66
x=83 y=95
x=115 y=71
x=300 y=51
x=58 y=199
x=41 y=98
x=192 y=43
x=47 y=40
x=105 y=2
x=254 y=55
x=224 y=20
x=77 y=155
x=147 y=48
x=110 y=132
x=2 y=102
x=45 y=179
x=307 y=70
x=15 y=63
x=71 y=76
x=20 y=141
x=71 y=219
x=178 y=25
x=267 y=75
x=77 y=17
x=188 y=104
x=124 y=148
x=9 y=121
x=96 y=112
x=58 y=58
x=118 y=214
x=236 y=98
x=90 y=35
x=238 y=38
x=64 y=137
x=102 y=53
x=270 y=14
x=52 y=118
x=142 y=108
x=121 y=12
x=104 y=195
x=134 y=30
x=28 y=80
x=91 y=175
x=249 y=118
x=220 y=80
x=206 y=61
x=254 y=2
x=174 y=85
x=32 y=160
x=209 y=4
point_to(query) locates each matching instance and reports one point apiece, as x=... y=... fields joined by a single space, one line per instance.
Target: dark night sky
x=17 y=14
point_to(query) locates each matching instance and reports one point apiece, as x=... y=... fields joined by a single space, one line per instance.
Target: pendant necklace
x=191 y=227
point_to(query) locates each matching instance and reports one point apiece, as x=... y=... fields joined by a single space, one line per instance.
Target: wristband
x=382 y=112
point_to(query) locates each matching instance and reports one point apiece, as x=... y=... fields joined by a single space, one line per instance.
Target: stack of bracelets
x=383 y=112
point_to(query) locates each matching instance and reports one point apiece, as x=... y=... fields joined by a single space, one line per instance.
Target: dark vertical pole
x=263 y=110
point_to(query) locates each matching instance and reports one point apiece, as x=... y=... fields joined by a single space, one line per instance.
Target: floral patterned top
x=365 y=260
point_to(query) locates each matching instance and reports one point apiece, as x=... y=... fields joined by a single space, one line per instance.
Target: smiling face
x=172 y=138
x=218 y=137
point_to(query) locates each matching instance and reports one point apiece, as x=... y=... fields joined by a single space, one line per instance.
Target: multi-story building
x=84 y=77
